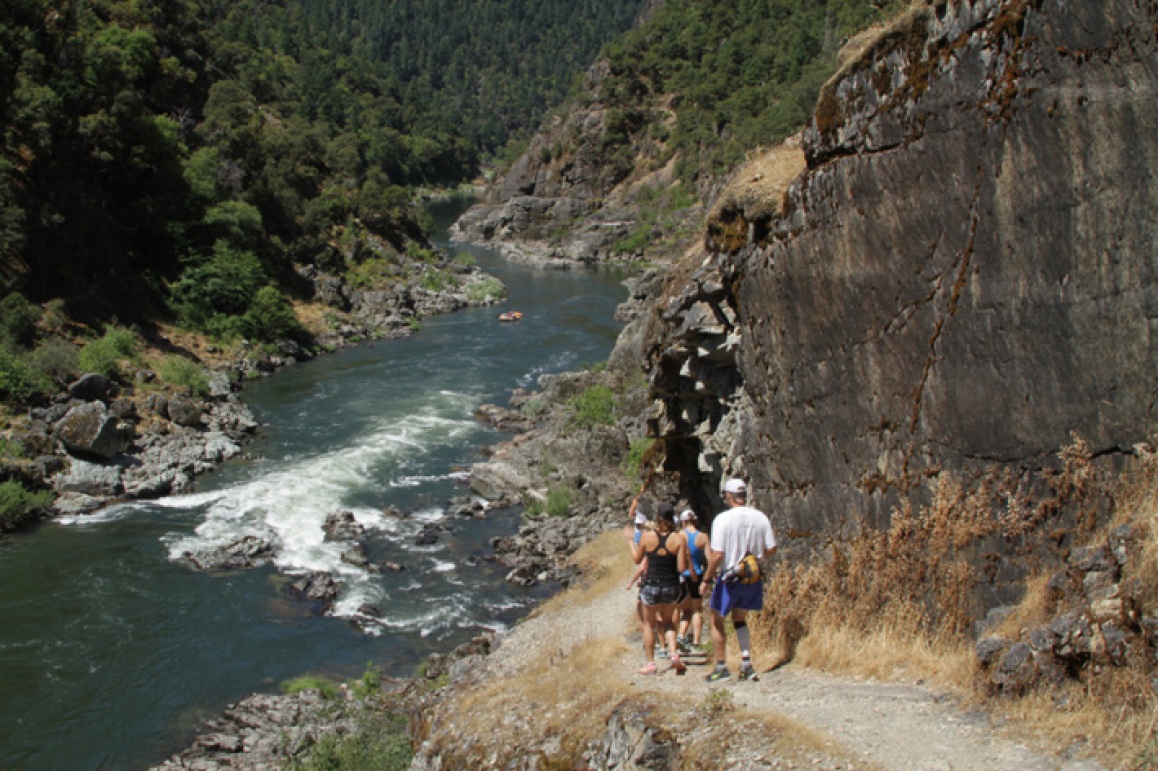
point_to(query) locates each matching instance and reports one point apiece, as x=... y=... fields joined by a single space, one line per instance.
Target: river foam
x=286 y=502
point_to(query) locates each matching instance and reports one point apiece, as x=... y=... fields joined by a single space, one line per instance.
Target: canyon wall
x=963 y=277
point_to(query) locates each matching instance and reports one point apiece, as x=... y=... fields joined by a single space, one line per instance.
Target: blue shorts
x=733 y=595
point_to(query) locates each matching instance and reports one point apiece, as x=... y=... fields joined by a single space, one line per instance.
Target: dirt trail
x=875 y=725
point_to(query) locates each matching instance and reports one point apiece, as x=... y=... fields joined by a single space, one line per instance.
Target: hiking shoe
x=678 y=665
x=748 y=672
x=661 y=653
x=649 y=669
x=684 y=644
x=718 y=674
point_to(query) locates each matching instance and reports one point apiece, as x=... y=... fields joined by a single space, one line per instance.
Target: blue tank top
x=699 y=559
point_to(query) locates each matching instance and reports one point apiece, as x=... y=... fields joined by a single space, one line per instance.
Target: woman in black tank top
x=667 y=557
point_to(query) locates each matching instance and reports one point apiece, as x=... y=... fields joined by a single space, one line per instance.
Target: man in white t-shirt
x=736 y=532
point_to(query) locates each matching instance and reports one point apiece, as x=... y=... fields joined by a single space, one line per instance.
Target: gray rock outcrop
x=963 y=277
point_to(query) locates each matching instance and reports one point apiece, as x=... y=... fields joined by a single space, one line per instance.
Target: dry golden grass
x=758 y=187
x=567 y=692
x=559 y=689
x=898 y=603
x=894 y=649
x=606 y=565
x=313 y=316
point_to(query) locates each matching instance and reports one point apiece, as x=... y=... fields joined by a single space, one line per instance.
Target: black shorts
x=692 y=590
x=660 y=594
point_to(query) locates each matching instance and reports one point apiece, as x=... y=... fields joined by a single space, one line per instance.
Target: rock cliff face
x=963 y=277
x=573 y=196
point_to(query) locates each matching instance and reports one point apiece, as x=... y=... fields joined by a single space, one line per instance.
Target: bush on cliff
x=18 y=319
x=19 y=382
x=594 y=406
x=106 y=354
x=184 y=373
x=18 y=504
x=382 y=744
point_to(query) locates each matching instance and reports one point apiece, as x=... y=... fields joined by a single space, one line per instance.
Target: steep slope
x=964 y=276
x=668 y=110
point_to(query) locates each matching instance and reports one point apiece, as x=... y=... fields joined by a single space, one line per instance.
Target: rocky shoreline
x=103 y=441
x=545 y=452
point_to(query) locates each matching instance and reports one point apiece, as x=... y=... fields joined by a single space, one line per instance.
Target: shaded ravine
x=112 y=650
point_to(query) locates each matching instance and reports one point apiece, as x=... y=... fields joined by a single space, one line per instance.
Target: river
x=113 y=651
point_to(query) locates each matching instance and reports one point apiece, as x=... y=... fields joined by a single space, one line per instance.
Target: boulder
x=246 y=552
x=91 y=431
x=319 y=588
x=493 y=479
x=1016 y=669
x=342 y=526
x=355 y=554
x=185 y=411
x=504 y=419
x=635 y=740
x=93 y=387
x=91 y=479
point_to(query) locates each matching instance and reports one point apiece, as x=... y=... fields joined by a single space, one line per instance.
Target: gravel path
x=877 y=725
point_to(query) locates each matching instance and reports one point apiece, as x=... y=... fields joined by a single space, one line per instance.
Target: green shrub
x=10 y=450
x=19 y=383
x=435 y=280
x=369 y=684
x=382 y=743
x=532 y=506
x=635 y=242
x=372 y=273
x=18 y=319
x=17 y=503
x=56 y=359
x=105 y=354
x=183 y=373
x=420 y=253
x=270 y=317
x=558 y=501
x=489 y=287
x=534 y=406
x=593 y=407
x=633 y=463
x=328 y=688
x=222 y=286
x=55 y=315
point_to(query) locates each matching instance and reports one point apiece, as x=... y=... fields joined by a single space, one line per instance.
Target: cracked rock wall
x=964 y=275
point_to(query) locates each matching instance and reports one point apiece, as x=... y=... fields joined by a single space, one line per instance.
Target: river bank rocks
x=265 y=732
x=115 y=454
x=560 y=459
x=437 y=285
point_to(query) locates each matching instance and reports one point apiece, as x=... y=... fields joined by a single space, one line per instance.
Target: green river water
x=112 y=652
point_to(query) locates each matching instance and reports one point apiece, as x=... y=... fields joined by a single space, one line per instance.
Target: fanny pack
x=746 y=571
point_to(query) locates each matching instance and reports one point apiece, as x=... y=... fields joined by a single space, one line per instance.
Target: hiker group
x=679 y=565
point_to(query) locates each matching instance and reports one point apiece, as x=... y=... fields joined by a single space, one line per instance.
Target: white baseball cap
x=687 y=515
x=735 y=487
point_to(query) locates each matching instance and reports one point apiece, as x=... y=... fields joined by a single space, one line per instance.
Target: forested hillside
x=491 y=68
x=668 y=112
x=170 y=159
x=736 y=75
x=128 y=124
